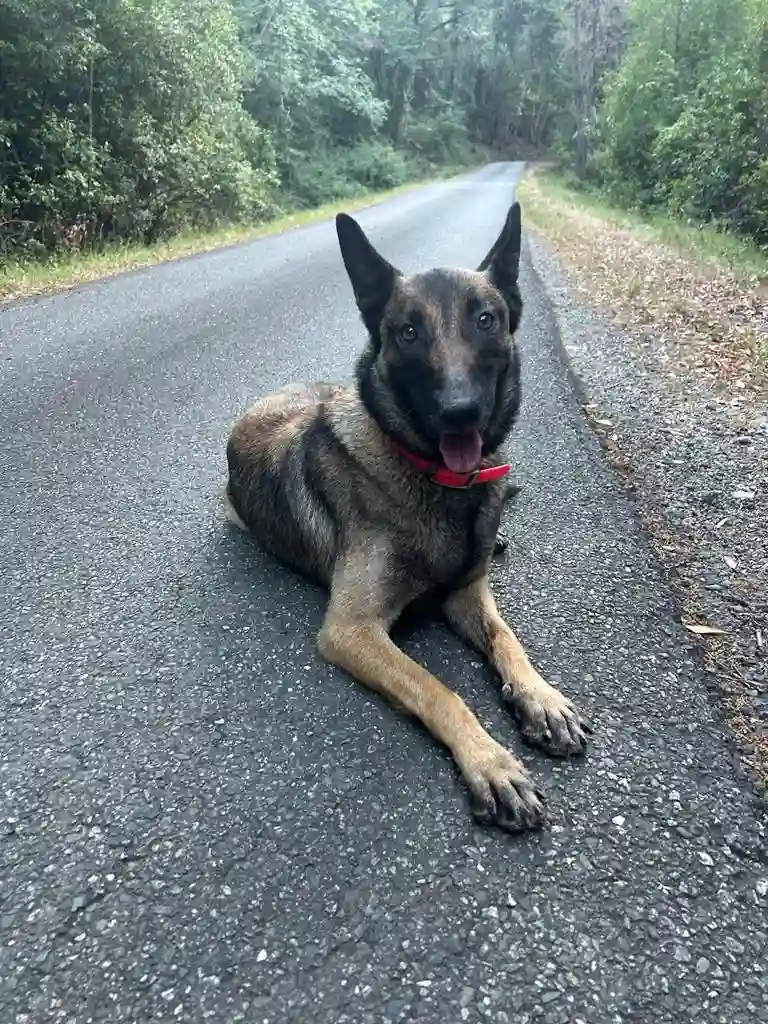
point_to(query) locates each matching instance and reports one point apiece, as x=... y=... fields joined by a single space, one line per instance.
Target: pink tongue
x=462 y=452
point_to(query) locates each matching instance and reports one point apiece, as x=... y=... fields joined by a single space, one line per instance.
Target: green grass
x=707 y=246
x=21 y=279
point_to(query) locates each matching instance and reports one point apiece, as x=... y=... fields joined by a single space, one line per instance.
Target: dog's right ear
x=371 y=275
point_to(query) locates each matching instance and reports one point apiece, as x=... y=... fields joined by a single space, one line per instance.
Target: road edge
x=758 y=794
x=564 y=356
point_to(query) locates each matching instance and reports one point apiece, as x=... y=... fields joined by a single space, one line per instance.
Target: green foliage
x=137 y=119
x=123 y=118
x=345 y=173
x=636 y=96
x=712 y=162
x=684 y=122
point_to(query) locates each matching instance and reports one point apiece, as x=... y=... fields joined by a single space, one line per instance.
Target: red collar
x=447 y=478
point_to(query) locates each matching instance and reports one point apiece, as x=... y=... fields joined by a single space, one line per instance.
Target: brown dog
x=390 y=491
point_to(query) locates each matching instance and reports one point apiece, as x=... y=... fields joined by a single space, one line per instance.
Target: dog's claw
x=549 y=720
x=502 y=792
x=501 y=543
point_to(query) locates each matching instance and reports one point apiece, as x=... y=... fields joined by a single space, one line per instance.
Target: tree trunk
x=398 y=105
x=586 y=42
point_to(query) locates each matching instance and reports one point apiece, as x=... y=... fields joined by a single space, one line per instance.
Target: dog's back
x=274 y=455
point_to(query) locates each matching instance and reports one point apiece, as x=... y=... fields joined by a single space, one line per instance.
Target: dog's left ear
x=371 y=275
x=502 y=264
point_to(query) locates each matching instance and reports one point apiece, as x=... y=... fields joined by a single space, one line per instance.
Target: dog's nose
x=460 y=414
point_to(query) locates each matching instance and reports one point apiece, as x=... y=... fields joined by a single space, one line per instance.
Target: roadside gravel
x=694 y=453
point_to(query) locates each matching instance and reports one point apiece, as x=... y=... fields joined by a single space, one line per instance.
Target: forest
x=131 y=120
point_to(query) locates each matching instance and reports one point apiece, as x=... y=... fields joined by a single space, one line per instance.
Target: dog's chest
x=451 y=537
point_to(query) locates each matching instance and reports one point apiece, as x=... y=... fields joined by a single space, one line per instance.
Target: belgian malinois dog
x=390 y=491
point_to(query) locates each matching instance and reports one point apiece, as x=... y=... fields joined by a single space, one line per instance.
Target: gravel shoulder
x=691 y=446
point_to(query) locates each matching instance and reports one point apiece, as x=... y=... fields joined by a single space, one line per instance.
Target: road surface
x=202 y=822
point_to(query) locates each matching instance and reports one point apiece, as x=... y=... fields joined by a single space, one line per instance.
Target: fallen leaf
x=743 y=495
x=604 y=423
x=702 y=630
x=730 y=561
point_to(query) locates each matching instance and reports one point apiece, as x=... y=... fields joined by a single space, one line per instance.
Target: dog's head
x=441 y=371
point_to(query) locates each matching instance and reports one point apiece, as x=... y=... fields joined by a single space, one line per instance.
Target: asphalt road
x=202 y=822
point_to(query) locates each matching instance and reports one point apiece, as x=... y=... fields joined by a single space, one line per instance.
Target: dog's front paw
x=501 y=543
x=548 y=719
x=502 y=791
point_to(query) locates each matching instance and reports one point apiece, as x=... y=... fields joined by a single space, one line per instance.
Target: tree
x=684 y=123
x=123 y=117
x=135 y=118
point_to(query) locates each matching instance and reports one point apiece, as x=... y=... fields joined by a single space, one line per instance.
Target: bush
x=130 y=125
x=442 y=138
x=684 y=121
x=712 y=162
x=344 y=173
x=377 y=165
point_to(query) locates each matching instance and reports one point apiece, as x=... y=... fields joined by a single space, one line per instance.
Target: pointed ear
x=371 y=276
x=502 y=264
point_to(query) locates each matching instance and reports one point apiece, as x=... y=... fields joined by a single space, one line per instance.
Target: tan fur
x=549 y=719
x=314 y=476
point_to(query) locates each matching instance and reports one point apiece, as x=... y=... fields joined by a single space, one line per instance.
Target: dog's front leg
x=548 y=719
x=502 y=791
x=502 y=540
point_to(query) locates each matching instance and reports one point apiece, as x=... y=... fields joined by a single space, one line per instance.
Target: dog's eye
x=408 y=333
x=485 y=321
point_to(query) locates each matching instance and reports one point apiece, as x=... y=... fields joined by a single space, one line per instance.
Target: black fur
x=404 y=384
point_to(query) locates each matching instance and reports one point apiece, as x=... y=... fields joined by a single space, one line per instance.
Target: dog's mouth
x=462 y=452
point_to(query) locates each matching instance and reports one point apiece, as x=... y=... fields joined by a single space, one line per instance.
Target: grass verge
x=705 y=246
x=22 y=280
x=703 y=292
x=703 y=295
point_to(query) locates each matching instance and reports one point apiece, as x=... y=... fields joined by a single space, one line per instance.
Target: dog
x=389 y=492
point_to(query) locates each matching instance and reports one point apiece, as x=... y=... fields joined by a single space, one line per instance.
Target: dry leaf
x=704 y=317
x=604 y=423
x=704 y=630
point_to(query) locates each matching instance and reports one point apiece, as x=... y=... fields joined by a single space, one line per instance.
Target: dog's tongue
x=462 y=452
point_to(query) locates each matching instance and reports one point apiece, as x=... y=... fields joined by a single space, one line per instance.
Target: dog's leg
x=502 y=540
x=501 y=788
x=548 y=719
